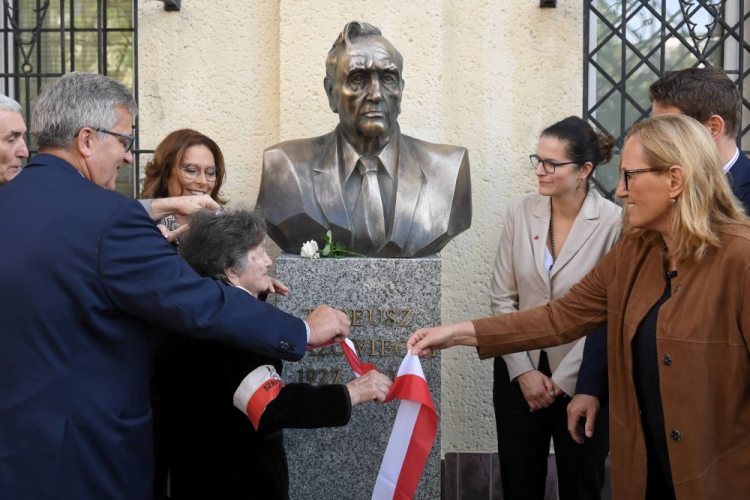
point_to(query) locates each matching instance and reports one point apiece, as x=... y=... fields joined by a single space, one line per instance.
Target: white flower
x=310 y=250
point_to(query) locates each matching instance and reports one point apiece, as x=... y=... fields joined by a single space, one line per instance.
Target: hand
x=327 y=323
x=277 y=287
x=426 y=340
x=557 y=391
x=171 y=236
x=372 y=386
x=537 y=388
x=182 y=205
x=582 y=406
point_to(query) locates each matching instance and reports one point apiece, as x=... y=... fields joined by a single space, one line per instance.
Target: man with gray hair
x=12 y=145
x=88 y=287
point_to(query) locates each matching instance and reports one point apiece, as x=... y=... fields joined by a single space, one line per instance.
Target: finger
x=413 y=340
x=164 y=230
x=590 y=421
x=173 y=235
x=279 y=287
x=574 y=428
x=421 y=344
x=549 y=386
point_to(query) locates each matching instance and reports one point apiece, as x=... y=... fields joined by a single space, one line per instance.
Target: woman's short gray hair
x=215 y=242
x=8 y=104
x=74 y=101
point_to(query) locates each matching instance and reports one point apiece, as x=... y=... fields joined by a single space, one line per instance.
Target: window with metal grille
x=629 y=44
x=44 y=39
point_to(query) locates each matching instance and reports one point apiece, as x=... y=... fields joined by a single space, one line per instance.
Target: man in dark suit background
x=709 y=96
x=706 y=95
x=380 y=192
x=88 y=285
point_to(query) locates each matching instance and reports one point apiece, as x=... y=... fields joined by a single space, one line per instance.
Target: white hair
x=8 y=104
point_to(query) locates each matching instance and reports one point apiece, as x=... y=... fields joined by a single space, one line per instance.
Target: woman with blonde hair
x=675 y=294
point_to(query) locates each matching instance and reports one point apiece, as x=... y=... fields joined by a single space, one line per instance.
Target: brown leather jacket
x=703 y=334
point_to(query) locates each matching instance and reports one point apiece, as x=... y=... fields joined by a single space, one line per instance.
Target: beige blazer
x=520 y=280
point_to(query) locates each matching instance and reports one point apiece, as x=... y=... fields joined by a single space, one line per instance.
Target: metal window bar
x=26 y=38
x=719 y=34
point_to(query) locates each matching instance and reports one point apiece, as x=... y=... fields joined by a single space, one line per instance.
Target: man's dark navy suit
x=592 y=376
x=87 y=282
x=739 y=180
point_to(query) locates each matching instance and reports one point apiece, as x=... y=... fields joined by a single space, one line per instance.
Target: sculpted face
x=366 y=88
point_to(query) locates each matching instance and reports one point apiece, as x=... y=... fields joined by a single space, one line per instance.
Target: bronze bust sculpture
x=381 y=193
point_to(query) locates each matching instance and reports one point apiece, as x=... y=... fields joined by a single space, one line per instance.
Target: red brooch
x=536 y=237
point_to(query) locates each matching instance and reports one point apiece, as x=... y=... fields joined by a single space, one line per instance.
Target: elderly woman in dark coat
x=225 y=408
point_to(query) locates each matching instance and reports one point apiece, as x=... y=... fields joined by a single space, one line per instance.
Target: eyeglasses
x=192 y=172
x=627 y=173
x=549 y=166
x=129 y=139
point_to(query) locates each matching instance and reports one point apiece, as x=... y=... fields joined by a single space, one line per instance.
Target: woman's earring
x=672 y=201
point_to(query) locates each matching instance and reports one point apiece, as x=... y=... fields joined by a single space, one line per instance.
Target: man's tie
x=369 y=221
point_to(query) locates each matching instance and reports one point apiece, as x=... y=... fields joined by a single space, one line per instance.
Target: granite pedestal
x=386 y=300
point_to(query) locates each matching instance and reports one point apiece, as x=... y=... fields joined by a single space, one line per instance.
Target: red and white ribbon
x=412 y=436
x=414 y=429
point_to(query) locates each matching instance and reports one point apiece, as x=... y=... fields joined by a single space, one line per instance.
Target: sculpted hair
x=582 y=143
x=700 y=93
x=706 y=198
x=170 y=153
x=216 y=242
x=74 y=101
x=352 y=32
x=8 y=104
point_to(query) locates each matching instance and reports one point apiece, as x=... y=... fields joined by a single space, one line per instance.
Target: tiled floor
x=476 y=476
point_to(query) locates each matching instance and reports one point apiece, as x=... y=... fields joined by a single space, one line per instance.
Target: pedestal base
x=386 y=299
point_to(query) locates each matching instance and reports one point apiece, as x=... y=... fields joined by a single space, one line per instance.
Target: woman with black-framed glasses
x=549 y=241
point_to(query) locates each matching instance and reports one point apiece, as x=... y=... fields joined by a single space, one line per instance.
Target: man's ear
x=328 y=85
x=716 y=126
x=84 y=141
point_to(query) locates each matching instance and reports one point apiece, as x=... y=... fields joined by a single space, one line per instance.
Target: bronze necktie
x=369 y=220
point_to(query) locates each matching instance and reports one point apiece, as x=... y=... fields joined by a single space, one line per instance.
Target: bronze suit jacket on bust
x=305 y=199
x=702 y=339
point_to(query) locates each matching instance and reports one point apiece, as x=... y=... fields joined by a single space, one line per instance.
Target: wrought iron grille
x=44 y=39
x=628 y=44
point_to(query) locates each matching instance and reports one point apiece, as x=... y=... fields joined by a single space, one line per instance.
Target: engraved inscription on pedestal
x=386 y=300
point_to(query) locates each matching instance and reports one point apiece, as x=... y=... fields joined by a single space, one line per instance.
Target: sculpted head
x=364 y=83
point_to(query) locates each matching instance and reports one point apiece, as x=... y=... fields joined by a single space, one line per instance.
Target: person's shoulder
x=609 y=212
x=740 y=171
x=527 y=202
x=736 y=234
x=299 y=148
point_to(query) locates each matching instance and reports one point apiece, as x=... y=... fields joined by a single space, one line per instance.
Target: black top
x=646 y=378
